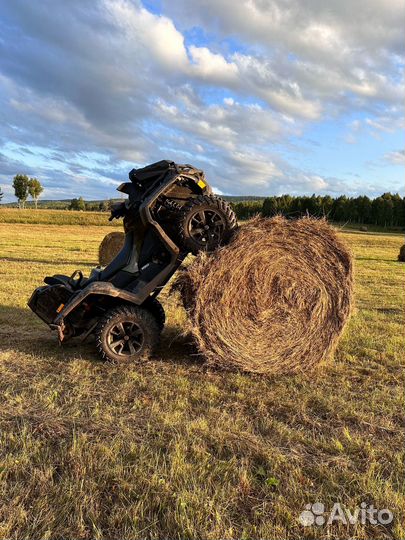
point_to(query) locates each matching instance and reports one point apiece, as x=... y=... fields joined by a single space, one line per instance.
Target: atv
x=170 y=212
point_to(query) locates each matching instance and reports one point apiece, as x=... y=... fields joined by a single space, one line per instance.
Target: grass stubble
x=173 y=448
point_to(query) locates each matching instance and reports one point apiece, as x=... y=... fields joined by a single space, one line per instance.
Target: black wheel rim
x=206 y=227
x=125 y=338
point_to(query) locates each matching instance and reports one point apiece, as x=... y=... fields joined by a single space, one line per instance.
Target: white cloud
x=111 y=77
x=212 y=67
x=228 y=126
x=315 y=182
x=314 y=29
x=258 y=77
x=396 y=158
x=333 y=52
x=379 y=125
x=156 y=33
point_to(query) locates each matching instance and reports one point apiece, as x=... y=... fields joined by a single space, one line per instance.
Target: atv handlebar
x=121 y=209
x=117 y=211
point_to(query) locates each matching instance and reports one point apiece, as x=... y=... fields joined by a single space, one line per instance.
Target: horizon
x=244 y=198
x=249 y=94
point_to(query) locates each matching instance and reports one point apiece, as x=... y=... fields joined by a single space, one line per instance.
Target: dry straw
x=275 y=300
x=110 y=247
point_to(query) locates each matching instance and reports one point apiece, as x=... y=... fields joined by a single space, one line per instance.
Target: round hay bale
x=110 y=247
x=401 y=255
x=274 y=300
x=363 y=228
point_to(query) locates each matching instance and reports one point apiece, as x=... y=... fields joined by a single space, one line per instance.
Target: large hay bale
x=110 y=247
x=275 y=300
x=401 y=254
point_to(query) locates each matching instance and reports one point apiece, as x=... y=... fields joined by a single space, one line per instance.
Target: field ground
x=55 y=217
x=169 y=449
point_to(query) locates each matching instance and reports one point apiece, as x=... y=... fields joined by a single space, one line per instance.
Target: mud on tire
x=205 y=223
x=126 y=333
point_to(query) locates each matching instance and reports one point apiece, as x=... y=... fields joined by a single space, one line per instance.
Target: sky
x=266 y=96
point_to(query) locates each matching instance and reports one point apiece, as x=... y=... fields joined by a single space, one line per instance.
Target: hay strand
x=110 y=246
x=275 y=300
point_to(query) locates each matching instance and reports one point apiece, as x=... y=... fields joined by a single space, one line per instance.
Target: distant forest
x=388 y=210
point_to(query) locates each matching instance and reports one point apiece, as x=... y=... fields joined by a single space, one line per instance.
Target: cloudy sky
x=267 y=96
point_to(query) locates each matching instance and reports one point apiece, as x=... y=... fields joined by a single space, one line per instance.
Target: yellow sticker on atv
x=201 y=184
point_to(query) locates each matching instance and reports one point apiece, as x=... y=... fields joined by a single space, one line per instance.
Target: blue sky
x=267 y=96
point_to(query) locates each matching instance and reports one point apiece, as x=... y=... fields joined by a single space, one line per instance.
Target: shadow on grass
x=370 y=233
x=376 y=259
x=389 y=310
x=21 y=331
x=176 y=347
x=52 y=262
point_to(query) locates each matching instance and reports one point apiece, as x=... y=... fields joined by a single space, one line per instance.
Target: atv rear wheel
x=205 y=223
x=126 y=333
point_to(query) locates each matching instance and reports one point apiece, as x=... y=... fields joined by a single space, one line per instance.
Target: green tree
x=247 y=209
x=35 y=189
x=270 y=207
x=388 y=209
x=399 y=210
x=81 y=204
x=104 y=206
x=378 y=211
x=20 y=185
x=327 y=205
x=77 y=204
x=363 y=205
x=73 y=205
x=340 y=208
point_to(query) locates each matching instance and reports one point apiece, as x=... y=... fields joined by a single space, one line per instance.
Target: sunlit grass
x=169 y=449
x=54 y=217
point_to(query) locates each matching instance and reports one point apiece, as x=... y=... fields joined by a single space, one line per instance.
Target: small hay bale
x=110 y=247
x=275 y=300
x=401 y=254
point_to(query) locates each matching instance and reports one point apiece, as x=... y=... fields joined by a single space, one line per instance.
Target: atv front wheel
x=126 y=333
x=205 y=223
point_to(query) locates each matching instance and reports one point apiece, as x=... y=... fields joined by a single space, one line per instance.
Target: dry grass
x=275 y=300
x=169 y=448
x=110 y=247
x=55 y=217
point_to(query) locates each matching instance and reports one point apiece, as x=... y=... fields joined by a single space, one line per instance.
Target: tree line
x=24 y=187
x=387 y=210
x=90 y=206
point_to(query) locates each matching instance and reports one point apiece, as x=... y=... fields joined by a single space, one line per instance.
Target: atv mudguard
x=49 y=300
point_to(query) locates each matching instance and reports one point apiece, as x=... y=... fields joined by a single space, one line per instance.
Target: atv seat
x=97 y=274
x=119 y=262
x=57 y=279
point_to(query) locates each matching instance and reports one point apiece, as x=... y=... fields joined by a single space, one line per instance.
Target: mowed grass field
x=170 y=449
